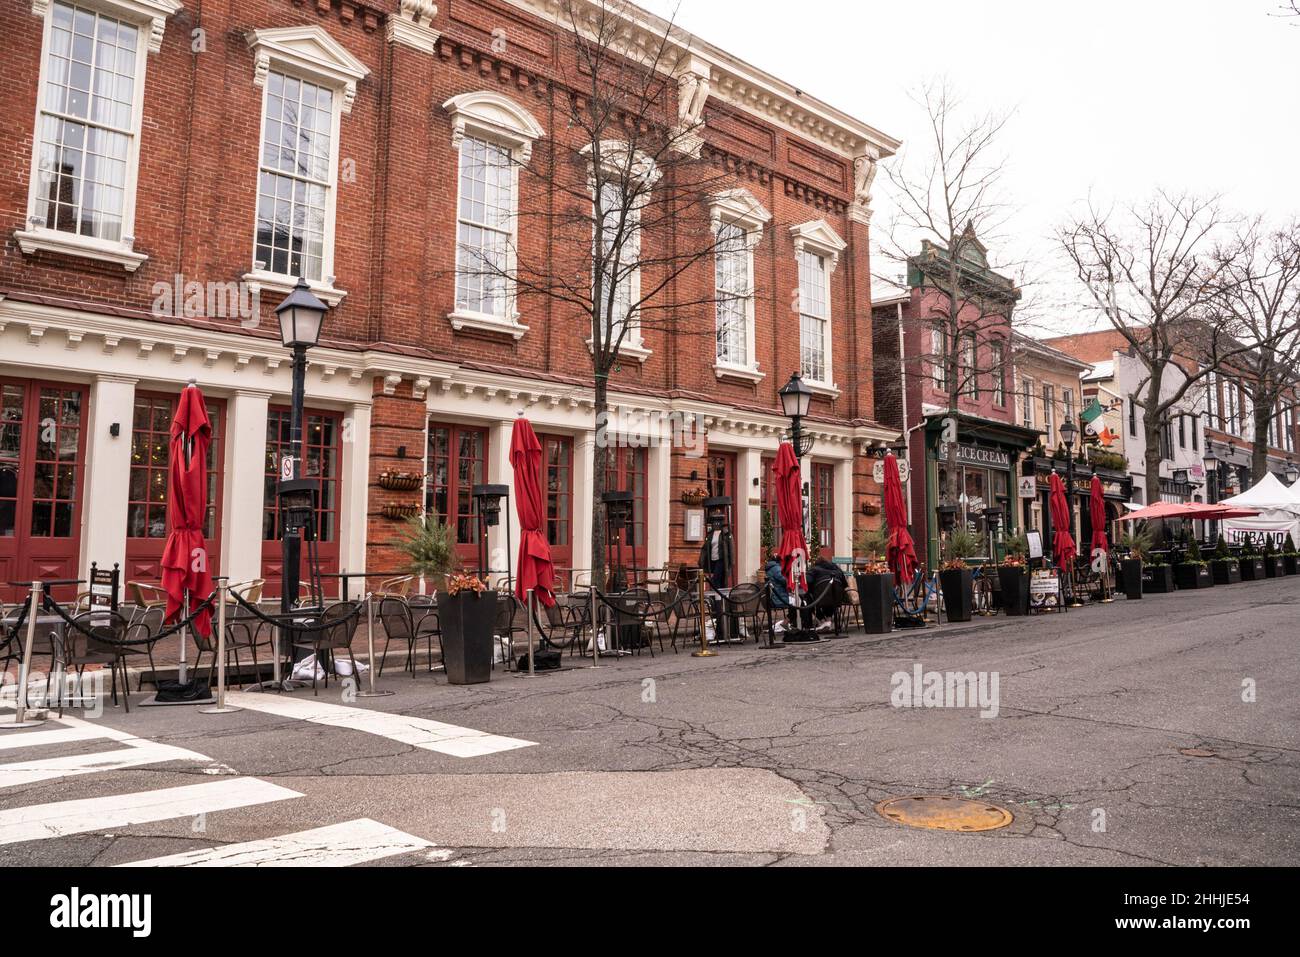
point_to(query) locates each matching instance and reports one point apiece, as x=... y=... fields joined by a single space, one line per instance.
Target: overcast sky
x=1112 y=97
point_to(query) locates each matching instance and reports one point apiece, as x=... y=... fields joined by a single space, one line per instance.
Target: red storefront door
x=627 y=473
x=321 y=461
x=557 y=460
x=146 y=515
x=42 y=451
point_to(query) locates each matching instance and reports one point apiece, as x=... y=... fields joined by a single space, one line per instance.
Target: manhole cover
x=944 y=813
x=1197 y=753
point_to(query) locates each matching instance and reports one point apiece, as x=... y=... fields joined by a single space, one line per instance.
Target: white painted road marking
x=416 y=732
x=338 y=845
x=42 y=821
x=36 y=739
x=29 y=772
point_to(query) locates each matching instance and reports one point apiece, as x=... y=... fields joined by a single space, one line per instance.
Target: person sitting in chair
x=778 y=590
x=828 y=587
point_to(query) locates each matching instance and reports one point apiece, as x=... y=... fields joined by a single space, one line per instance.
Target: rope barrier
x=97 y=632
x=304 y=621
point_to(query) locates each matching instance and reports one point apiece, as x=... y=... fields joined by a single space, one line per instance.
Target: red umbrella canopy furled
x=535 y=569
x=1063 y=546
x=1098 y=506
x=185 y=555
x=789 y=507
x=901 y=551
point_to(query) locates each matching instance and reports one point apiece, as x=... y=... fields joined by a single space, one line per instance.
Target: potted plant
x=1137 y=541
x=1157 y=575
x=1252 y=563
x=1225 y=569
x=466 y=612
x=1290 y=558
x=1270 y=558
x=875 y=582
x=1013 y=576
x=1192 y=571
x=955 y=575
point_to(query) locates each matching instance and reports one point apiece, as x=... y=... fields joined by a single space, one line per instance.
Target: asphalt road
x=769 y=757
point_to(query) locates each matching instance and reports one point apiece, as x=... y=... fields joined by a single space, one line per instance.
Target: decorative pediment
x=741 y=207
x=495 y=117
x=150 y=14
x=818 y=237
x=308 y=51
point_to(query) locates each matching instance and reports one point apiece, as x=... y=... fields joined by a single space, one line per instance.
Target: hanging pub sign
x=904 y=471
x=1027 y=486
x=978 y=455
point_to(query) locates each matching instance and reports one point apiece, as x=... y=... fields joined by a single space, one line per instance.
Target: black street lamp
x=487 y=504
x=796 y=401
x=1292 y=474
x=301 y=316
x=1069 y=432
x=1213 y=483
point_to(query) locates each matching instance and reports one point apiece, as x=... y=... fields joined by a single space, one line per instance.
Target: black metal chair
x=512 y=620
x=741 y=606
x=98 y=638
x=399 y=624
x=825 y=604
x=332 y=632
x=246 y=632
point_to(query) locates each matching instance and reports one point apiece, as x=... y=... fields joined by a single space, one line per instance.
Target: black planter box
x=1225 y=571
x=958 y=593
x=1289 y=562
x=1270 y=566
x=876 y=595
x=1130 y=577
x=1193 y=576
x=1252 y=570
x=467 y=621
x=1014 y=584
x=1157 y=579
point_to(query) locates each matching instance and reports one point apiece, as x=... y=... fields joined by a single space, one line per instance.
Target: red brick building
x=168 y=170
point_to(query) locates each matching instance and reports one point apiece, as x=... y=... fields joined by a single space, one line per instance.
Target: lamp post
x=1292 y=474
x=487 y=504
x=796 y=401
x=301 y=316
x=1069 y=432
x=1213 y=489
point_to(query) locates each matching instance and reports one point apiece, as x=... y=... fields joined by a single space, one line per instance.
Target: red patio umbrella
x=789 y=508
x=1063 y=546
x=1158 y=510
x=185 y=561
x=1098 y=504
x=535 y=569
x=1218 y=510
x=901 y=551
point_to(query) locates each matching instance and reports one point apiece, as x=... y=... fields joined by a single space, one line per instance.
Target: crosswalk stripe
x=29 y=772
x=41 y=821
x=36 y=739
x=338 y=845
x=416 y=732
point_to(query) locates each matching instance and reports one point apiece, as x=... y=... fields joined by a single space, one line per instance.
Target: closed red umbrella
x=789 y=509
x=1098 y=506
x=1063 y=546
x=535 y=569
x=901 y=550
x=185 y=562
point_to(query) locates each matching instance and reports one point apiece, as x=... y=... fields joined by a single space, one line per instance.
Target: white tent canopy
x=1279 y=512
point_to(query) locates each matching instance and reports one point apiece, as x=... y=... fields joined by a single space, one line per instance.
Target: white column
x=500 y=472
x=749 y=518
x=658 y=481
x=843 y=535
x=243 y=485
x=106 y=478
x=354 y=510
x=584 y=465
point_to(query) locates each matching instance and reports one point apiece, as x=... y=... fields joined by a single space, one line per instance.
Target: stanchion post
x=25 y=666
x=595 y=631
x=532 y=608
x=370 y=651
x=221 y=707
x=704 y=651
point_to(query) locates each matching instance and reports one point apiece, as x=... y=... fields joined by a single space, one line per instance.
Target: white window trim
x=501 y=121
x=739 y=207
x=614 y=153
x=305 y=52
x=151 y=17
x=819 y=238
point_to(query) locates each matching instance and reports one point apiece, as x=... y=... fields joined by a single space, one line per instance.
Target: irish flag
x=1091 y=418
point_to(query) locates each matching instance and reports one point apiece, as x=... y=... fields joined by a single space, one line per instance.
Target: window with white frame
x=81 y=198
x=939 y=356
x=619 y=239
x=1049 y=409
x=296 y=177
x=1212 y=400
x=1029 y=405
x=1231 y=407
x=1067 y=397
x=738 y=219
x=817 y=250
x=814 y=316
x=970 y=371
x=485 y=228
x=308 y=82
x=999 y=358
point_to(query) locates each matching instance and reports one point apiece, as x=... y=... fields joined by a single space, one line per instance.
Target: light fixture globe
x=1292 y=474
x=796 y=398
x=1069 y=432
x=301 y=317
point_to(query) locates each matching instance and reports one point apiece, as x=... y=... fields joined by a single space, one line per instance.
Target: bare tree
x=618 y=215
x=1156 y=273
x=945 y=203
x=1260 y=297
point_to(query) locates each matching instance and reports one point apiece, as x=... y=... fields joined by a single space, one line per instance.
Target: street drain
x=944 y=813
x=1197 y=753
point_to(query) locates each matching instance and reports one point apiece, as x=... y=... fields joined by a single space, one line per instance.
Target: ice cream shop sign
x=978 y=455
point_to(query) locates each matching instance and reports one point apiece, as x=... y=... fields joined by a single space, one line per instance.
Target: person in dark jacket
x=778 y=591
x=828 y=586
